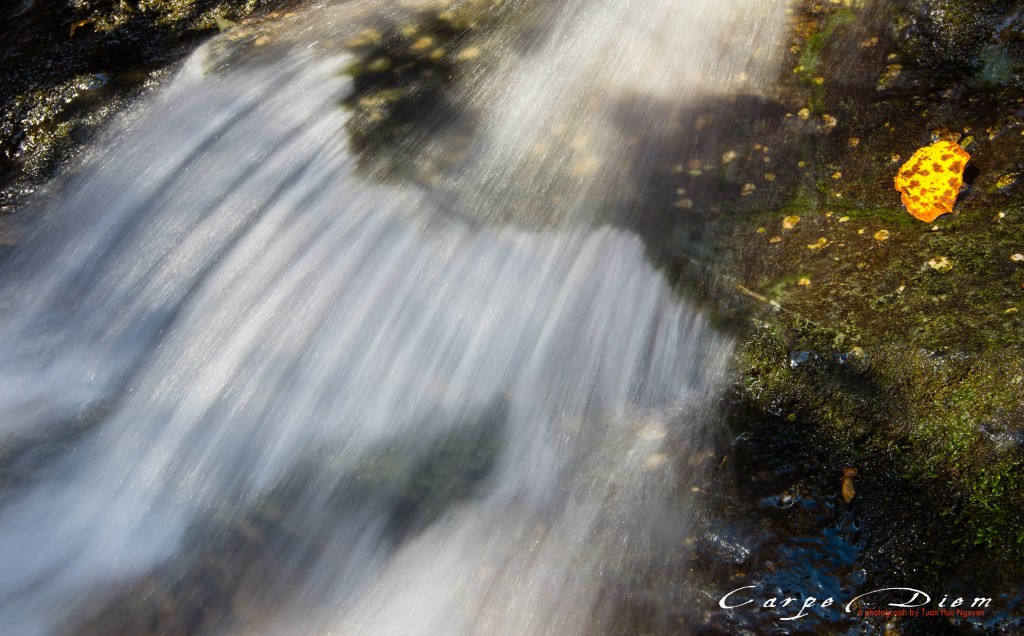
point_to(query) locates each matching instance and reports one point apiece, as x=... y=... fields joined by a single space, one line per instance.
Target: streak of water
x=280 y=399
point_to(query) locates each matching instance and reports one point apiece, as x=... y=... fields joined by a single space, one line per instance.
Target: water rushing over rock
x=244 y=390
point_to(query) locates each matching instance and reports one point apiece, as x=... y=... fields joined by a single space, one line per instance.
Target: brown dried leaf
x=849 y=473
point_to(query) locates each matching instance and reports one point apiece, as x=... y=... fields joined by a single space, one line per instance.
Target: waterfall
x=246 y=389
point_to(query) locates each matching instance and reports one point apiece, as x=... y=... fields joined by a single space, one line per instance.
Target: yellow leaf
x=849 y=473
x=930 y=180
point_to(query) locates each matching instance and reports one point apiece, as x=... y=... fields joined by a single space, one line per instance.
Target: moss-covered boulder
x=894 y=345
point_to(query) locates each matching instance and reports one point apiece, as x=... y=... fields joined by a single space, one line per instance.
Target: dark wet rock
x=409 y=72
x=961 y=39
x=65 y=68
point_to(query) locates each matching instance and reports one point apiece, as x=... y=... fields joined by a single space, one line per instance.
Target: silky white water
x=371 y=407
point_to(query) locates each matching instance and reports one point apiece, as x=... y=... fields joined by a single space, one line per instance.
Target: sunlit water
x=235 y=371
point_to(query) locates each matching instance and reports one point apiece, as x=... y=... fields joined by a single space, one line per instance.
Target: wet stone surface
x=65 y=68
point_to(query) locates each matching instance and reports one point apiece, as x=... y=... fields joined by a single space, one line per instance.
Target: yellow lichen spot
x=587 y=165
x=729 y=156
x=747 y=190
x=685 y=204
x=930 y=180
x=882 y=235
x=469 y=53
x=762 y=230
x=804 y=113
x=854 y=142
x=379 y=65
x=844 y=219
x=819 y=80
x=817 y=245
x=829 y=122
x=369 y=37
x=775 y=239
x=804 y=282
x=1007 y=180
x=769 y=176
x=838 y=174
x=896 y=158
x=801 y=164
x=790 y=222
x=1011 y=310
x=422 y=44
x=941 y=264
x=657 y=460
x=1017 y=258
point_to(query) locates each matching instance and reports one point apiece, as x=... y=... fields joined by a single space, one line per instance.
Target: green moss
x=810 y=56
x=952 y=423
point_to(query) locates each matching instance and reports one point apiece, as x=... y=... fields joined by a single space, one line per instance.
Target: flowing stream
x=246 y=388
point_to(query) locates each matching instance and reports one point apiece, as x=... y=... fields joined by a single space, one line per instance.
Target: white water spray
x=222 y=346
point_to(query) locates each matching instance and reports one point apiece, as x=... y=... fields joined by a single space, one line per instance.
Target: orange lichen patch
x=930 y=180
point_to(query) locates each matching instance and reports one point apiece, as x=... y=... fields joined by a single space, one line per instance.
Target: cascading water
x=245 y=390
